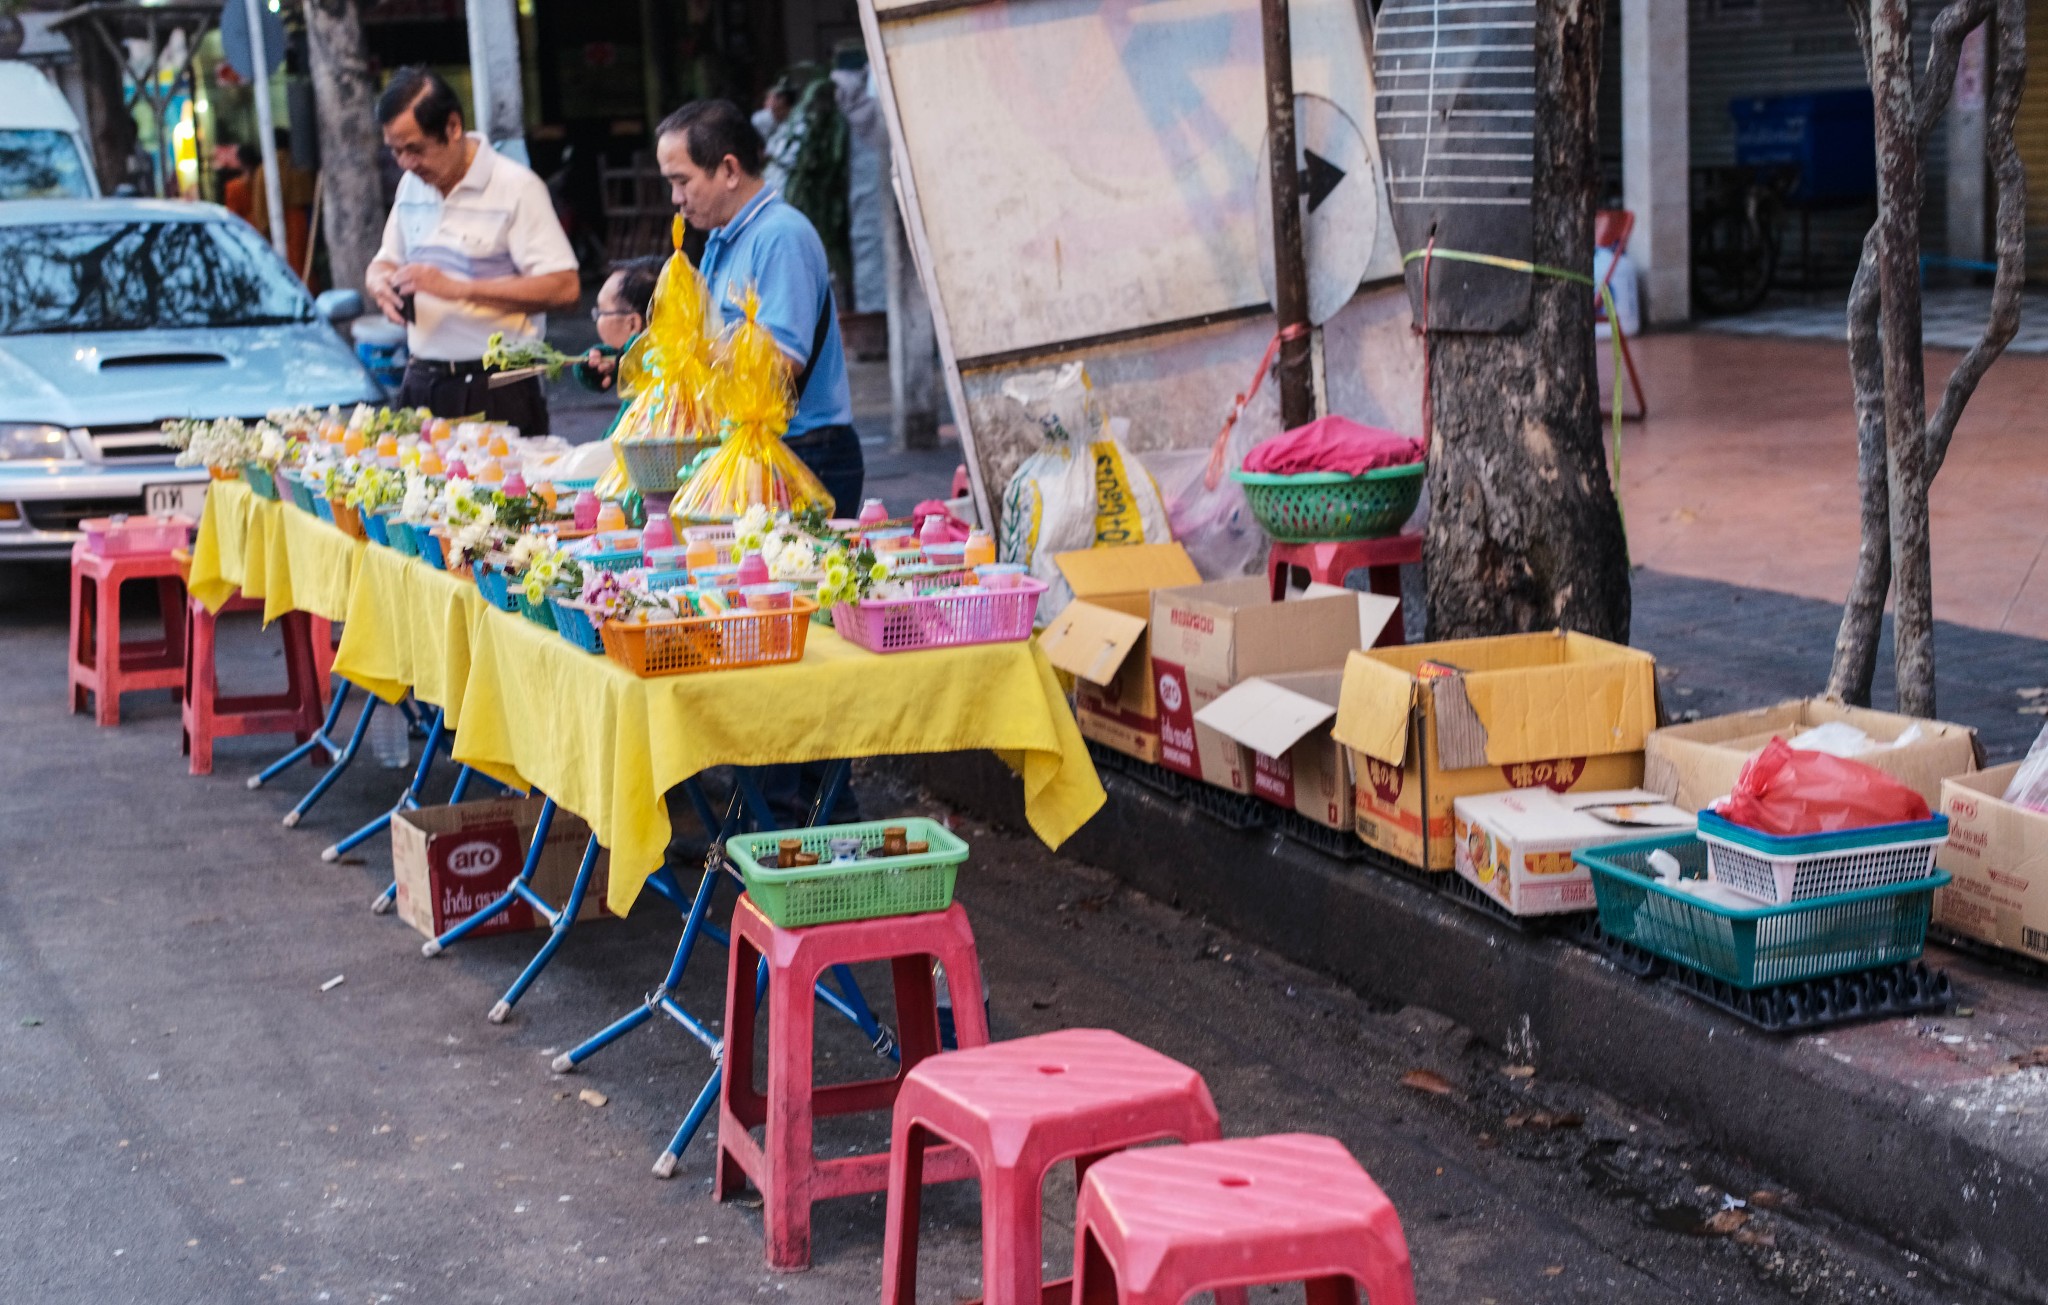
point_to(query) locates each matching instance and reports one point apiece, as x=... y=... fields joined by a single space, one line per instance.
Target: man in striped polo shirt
x=472 y=248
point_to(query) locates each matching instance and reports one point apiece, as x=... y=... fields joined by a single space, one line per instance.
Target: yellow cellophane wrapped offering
x=751 y=392
x=664 y=374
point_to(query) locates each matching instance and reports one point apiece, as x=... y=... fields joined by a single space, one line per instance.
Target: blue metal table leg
x=341 y=762
x=693 y=928
x=559 y=924
x=323 y=739
x=510 y=895
x=665 y=1163
x=409 y=800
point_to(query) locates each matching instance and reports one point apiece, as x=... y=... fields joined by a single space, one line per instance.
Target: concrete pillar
x=913 y=342
x=494 y=75
x=1966 y=163
x=1656 y=155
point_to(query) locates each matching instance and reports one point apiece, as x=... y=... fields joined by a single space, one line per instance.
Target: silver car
x=118 y=314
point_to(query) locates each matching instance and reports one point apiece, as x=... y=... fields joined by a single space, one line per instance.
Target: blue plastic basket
x=1757 y=946
x=663 y=581
x=429 y=545
x=490 y=582
x=572 y=622
x=323 y=507
x=376 y=527
x=622 y=559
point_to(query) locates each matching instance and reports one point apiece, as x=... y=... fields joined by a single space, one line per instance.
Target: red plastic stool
x=103 y=665
x=781 y=1166
x=1156 y=1226
x=1019 y=1108
x=209 y=714
x=1329 y=563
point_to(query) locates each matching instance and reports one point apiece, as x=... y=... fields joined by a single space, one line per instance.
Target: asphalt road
x=186 y=1116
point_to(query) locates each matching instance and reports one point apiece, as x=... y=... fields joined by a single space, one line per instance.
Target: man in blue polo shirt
x=710 y=155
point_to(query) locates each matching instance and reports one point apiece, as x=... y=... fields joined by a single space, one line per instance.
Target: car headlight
x=27 y=441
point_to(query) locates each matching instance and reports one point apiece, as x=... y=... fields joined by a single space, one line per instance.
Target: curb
x=1972 y=1198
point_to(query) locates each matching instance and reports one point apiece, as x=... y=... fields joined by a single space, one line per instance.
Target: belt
x=440 y=368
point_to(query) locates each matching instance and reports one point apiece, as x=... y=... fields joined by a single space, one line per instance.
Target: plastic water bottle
x=389 y=743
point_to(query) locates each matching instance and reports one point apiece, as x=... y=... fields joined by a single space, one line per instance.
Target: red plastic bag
x=1783 y=790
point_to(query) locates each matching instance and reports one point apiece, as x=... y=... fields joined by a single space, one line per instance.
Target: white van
x=42 y=151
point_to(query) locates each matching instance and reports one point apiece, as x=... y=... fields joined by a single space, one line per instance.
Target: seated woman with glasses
x=621 y=314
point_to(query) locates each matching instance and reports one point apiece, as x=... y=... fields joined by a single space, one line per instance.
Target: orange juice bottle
x=981 y=549
x=610 y=516
x=700 y=554
x=387 y=445
x=352 y=443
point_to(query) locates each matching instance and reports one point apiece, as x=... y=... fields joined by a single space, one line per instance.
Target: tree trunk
x=107 y=119
x=1524 y=531
x=1901 y=183
x=344 y=93
x=1863 y=614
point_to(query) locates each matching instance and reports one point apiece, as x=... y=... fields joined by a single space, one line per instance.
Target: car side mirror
x=338 y=306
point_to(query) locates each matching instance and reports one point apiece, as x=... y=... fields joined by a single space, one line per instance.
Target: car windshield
x=41 y=165
x=137 y=275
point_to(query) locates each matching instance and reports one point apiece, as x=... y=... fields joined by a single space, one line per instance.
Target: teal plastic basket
x=541 y=613
x=1757 y=946
x=302 y=493
x=1318 y=507
x=403 y=541
x=261 y=479
x=859 y=890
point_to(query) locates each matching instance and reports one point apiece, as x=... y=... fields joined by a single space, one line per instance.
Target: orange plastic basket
x=711 y=643
x=347 y=519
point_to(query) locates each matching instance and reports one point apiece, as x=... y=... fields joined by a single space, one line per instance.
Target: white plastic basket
x=1780 y=870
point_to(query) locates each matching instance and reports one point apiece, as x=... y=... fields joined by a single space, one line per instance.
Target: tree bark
x=1863 y=614
x=107 y=119
x=344 y=94
x=1900 y=447
x=1525 y=532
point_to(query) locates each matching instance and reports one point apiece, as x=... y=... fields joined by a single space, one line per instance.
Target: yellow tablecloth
x=529 y=708
x=293 y=562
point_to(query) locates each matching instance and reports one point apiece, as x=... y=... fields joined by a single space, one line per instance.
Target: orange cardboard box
x=1099 y=639
x=1430 y=723
x=1285 y=721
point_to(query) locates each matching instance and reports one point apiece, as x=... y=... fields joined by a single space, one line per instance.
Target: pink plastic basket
x=120 y=536
x=944 y=617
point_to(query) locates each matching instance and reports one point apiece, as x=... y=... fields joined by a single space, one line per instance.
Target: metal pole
x=266 y=127
x=1290 y=268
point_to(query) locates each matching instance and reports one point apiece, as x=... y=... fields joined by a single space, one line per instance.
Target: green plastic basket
x=862 y=890
x=1758 y=946
x=539 y=613
x=261 y=480
x=653 y=466
x=1328 y=505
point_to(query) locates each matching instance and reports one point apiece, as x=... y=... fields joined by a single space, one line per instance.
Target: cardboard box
x=451 y=862
x=1099 y=639
x=1285 y=722
x=1998 y=855
x=1560 y=711
x=1517 y=846
x=1695 y=763
x=1209 y=638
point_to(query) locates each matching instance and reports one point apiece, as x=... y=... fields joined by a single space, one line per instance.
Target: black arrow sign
x=1319 y=178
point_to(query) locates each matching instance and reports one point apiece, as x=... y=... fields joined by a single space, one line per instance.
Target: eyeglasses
x=599 y=314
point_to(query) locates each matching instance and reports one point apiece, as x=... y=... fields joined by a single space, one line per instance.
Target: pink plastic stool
x=1156 y=1226
x=789 y=1177
x=1329 y=563
x=101 y=664
x=1019 y=1108
x=208 y=714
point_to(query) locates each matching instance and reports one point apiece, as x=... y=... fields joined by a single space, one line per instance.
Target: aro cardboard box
x=1099 y=639
x=1695 y=763
x=451 y=862
x=1517 y=846
x=1208 y=638
x=1285 y=721
x=1997 y=855
x=1433 y=722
